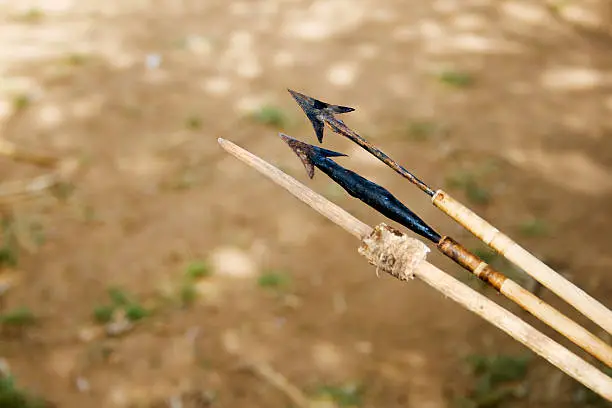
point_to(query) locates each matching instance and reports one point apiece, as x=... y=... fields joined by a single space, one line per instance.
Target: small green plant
x=8 y=248
x=88 y=213
x=8 y=256
x=458 y=179
x=197 y=270
x=456 y=79
x=533 y=227
x=103 y=314
x=193 y=272
x=76 y=60
x=470 y=186
x=37 y=232
x=63 y=190
x=19 y=317
x=270 y=116
x=135 y=312
x=558 y=6
x=188 y=293
x=32 y=16
x=497 y=379
x=120 y=299
x=21 y=102
x=118 y=296
x=193 y=122
x=477 y=194
x=486 y=254
x=422 y=130
x=183 y=181
x=346 y=395
x=499 y=368
x=13 y=397
x=273 y=279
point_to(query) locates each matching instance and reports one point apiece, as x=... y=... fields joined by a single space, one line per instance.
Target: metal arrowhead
x=308 y=153
x=317 y=110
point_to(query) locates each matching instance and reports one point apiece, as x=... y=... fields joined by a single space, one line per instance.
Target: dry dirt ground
x=506 y=103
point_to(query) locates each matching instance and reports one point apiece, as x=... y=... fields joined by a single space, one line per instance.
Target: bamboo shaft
x=10 y=150
x=316 y=201
x=558 y=321
x=31 y=187
x=542 y=345
x=500 y=242
x=527 y=300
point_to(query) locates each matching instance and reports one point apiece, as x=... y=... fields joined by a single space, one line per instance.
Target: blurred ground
x=508 y=104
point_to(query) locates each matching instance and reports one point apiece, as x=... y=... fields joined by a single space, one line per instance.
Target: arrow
x=319 y=113
x=388 y=205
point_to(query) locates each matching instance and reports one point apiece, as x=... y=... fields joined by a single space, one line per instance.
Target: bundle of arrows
x=391 y=251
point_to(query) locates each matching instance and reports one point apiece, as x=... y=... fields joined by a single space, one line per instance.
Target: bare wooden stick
x=553 y=352
x=280 y=382
x=12 y=192
x=16 y=190
x=318 y=203
x=541 y=272
x=9 y=149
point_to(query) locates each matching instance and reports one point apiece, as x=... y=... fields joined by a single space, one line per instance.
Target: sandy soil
x=512 y=95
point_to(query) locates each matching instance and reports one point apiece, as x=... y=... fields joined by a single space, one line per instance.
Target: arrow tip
x=317 y=111
x=307 y=153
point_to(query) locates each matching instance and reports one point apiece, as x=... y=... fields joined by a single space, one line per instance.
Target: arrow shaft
x=339 y=127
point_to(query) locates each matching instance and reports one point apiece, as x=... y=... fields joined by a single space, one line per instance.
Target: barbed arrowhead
x=316 y=111
x=308 y=153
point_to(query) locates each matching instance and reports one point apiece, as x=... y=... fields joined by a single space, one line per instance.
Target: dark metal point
x=363 y=189
x=317 y=111
x=308 y=153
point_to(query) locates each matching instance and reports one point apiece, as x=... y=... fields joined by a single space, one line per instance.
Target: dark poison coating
x=370 y=193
